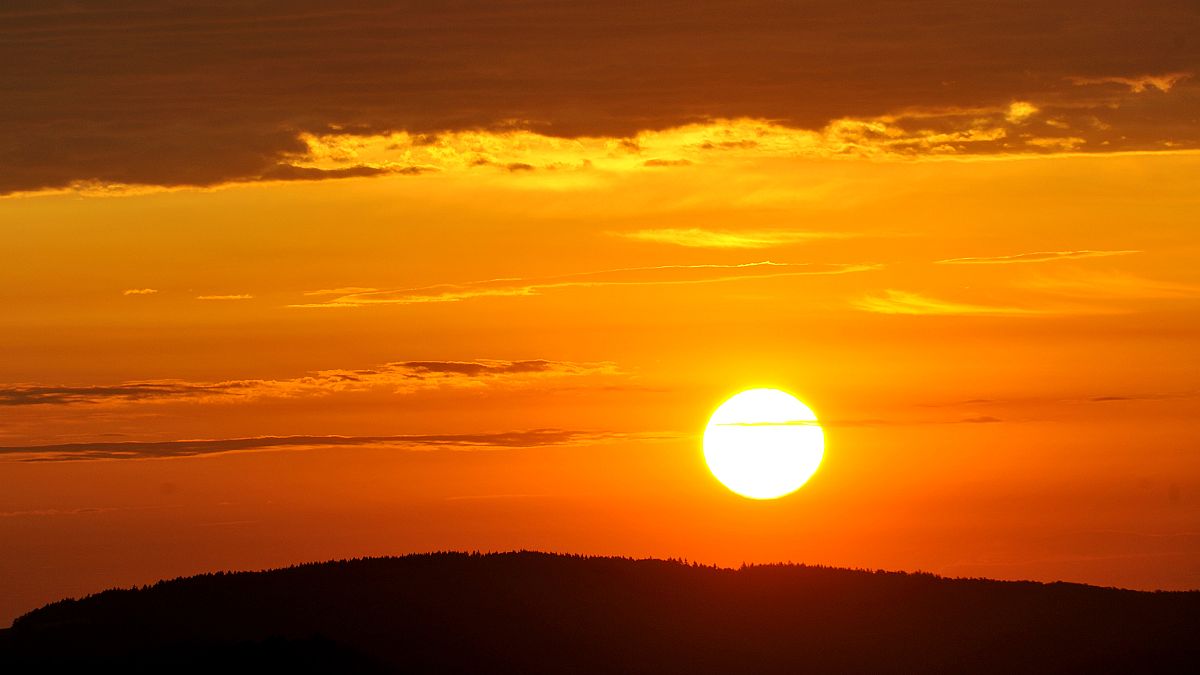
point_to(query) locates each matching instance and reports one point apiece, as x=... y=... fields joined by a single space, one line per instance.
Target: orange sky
x=249 y=325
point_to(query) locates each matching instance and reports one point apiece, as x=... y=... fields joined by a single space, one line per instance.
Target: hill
x=535 y=613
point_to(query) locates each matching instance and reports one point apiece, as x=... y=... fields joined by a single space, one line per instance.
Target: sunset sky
x=291 y=281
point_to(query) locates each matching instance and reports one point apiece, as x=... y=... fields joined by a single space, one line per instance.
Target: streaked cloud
x=981 y=419
x=1142 y=396
x=1034 y=257
x=1110 y=285
x=1139 y=84
x=289 y=172
x=1034 y=401
x=870 y=422
x=32 y=394
x=667 y=162
x=139 y=291
x=81 y=511
x=695 y=237
x=341 y=291
x=191 y=448
x=903 y=302
x=1059 y=143
x=629 y=276
x=400 y=377
x=242 y=296
x=910 y=422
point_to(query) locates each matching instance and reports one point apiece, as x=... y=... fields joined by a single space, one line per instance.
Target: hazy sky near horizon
x=295 y=281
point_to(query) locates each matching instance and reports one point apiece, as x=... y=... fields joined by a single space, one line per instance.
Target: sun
x=763 y=443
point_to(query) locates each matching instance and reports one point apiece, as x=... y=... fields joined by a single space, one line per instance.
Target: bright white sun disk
x=763 y=443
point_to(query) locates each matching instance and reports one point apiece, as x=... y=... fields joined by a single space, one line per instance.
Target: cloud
x=911 y=133
x=139 y=291
x=1019 y=111
x=1142 y=396
x=27 y=394
x=780 y=423
x=192 y=448
x=1061 y=143
x=1137 y=84
x=1110 y=285
x=421 y=369
x=287 y=172
x=701 y=238
x=982 y=419
x=399 y=377
x=502 y=496
x=225 y=297
x=141 y=92
x=629 y=276
x=877 y=422
x=81 y=511
x=1035 y=257
x=341 y=291
x=902 y=302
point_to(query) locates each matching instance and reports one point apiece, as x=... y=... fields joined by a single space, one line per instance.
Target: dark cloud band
x=199 y=93
x=191 y=448
x=397 y=376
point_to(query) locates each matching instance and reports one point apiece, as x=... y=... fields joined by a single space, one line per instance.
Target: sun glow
x=763 y=443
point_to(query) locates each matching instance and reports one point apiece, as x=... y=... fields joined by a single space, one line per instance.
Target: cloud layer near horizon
x=401 y=377
x=190 y=93
x=190 y=448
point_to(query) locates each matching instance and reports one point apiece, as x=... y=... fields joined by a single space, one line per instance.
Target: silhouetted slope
x=533 y=612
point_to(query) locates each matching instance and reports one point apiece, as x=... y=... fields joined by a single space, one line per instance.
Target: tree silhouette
x=537 y=613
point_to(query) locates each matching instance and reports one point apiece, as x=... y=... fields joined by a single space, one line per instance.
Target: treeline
x=538 y=613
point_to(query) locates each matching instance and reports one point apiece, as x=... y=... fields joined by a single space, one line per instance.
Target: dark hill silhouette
x=534 y=612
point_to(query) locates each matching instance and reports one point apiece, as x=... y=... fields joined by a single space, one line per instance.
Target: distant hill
x=540 y=613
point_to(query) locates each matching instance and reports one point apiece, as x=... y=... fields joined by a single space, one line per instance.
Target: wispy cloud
x=876 y=422
x=290 y=172
x=903 y=302
x=781 y=423
x=400 y=377
x=1057 y=143
x=1110 y=285
x=629 y=276
x=661 y=163
x=191 y=448
x=1041 y=401
x=1034 y=257
x=695 y=237
x=33 y=394
x=1143 y=396
x=344 y=290
x=139 y=291
x=1164 y=82
x=81 y=511
x=981 y=419
x=225 y=297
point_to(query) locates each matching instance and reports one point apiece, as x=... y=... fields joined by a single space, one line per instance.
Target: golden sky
x=297 y=282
